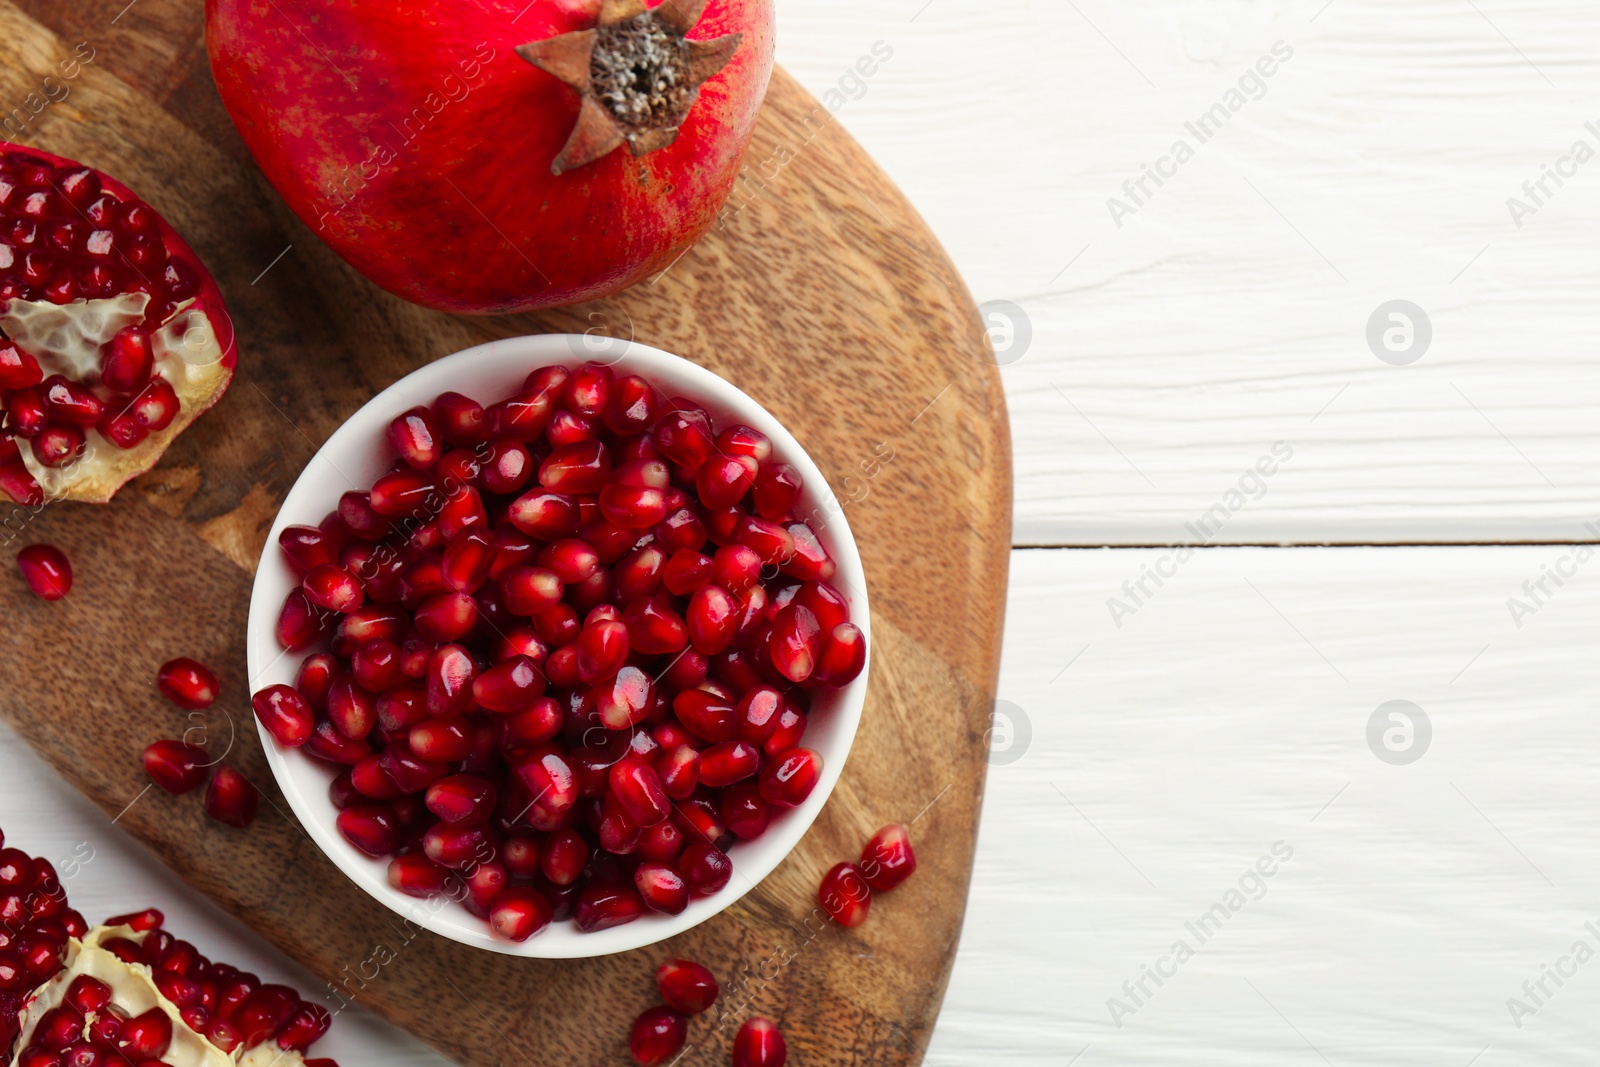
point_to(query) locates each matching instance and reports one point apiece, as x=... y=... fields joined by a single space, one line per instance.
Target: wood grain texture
x=1231 y=712
x=823 y=296
x=1231 y=309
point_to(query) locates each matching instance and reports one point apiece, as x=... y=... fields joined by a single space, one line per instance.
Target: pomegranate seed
x=711 y=619
x=58 y=446
x=529 y=590
x=128 y=360
x=625 y=700
x=71 y=403
x=139 y=921
x=308 y=547
x=602 y=649
x=450 y=676
x=87 y=993
x=706 y=715
x=462 y=799
x=686 y=571
x=231 y=799
x=397 y=495
x=723 y=480
x=156 y=406
x=307 y=1023
x=352 y=710
x=583 y=467
x=679 y=771
x=657 y=1036
x=887 y=859
x=333 y=588
x=758 y=1044
x=601 y=907
x=776 y=489
x=544 y=515
x=795 y=643
x=811 y=561
x=729 y=762
x=46 y=570
x=176 y=766
x=146 y=1036
x=549 y=779
x=18 y=369
x=468 y=560
x=442 y=740
x=632 y=406
x=841 y=656
x=460 y=419
x=770 y=542
x=417 y=876
x=845 y=894
x=372 y=828
x=521 y=418
x=456 y=847
x=706 y=869
x=564 y=856
x=327 y=743
x=572 y=560
x=684 y=437
x=661 y=888
x=686 y=986
x=745 y=811
x=415 y=435
x=285 y=713
x=662 y=842
x=512 y=686
x=638 y=790
x=375 y=665
x=518 y=913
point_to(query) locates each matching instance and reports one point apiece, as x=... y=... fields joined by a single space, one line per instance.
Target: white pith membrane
x=133 y=989
x=66 y=339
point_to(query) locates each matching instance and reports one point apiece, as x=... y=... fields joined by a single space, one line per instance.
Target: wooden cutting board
x=824 y=296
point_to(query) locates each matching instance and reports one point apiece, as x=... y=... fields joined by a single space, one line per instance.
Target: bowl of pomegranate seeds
x=559 y=658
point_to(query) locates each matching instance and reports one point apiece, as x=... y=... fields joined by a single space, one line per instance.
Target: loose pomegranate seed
x=795 y=642
x=845 y=894
x=231 y=799
x=887 y=860
x=417 y=876
x=706 y=869
x=46 y=570
x=188 y=683
x=686 y=986
x=657 y=1036
x=723 y=480
x=176 y=766
x=518 y=913
x=758 y=1044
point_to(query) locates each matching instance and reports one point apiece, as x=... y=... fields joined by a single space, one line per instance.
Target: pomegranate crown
x=635 y=73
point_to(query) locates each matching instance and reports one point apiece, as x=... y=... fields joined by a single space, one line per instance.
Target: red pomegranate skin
x=416 y=142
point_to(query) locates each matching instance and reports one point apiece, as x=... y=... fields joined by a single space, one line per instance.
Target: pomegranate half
x=113 y=338
x=490 y=156
x=128 y=992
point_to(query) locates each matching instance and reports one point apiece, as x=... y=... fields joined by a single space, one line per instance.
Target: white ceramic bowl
x=358 y=453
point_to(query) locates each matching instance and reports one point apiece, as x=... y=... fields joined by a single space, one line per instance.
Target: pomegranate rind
x=200 y=335
x=133 y=989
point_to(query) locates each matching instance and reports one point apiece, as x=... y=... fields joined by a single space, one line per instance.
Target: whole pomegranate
x=488 y=156
x=113 y=338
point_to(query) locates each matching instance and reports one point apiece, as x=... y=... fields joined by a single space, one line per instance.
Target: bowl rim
x=508 y=361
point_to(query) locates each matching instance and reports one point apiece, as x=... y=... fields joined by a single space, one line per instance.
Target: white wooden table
x=1169 y=739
